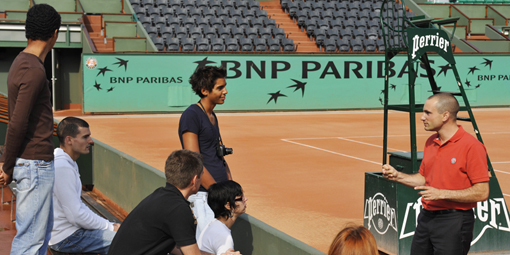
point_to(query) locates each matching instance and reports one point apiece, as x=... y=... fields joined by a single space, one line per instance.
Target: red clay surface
x=302 y=172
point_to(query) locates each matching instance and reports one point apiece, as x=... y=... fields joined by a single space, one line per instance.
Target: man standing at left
x=28 y=156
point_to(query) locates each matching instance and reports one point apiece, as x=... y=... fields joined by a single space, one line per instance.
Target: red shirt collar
x=460 y=132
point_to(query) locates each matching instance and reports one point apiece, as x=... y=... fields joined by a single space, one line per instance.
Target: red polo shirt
x=456 y=164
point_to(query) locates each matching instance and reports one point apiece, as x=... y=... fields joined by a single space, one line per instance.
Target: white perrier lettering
x=429 y=40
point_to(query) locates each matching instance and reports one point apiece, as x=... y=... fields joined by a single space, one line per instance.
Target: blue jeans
x=86 y=241
x=34 y=206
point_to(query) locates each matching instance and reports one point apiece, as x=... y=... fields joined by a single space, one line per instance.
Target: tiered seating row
x=343 y=26
x=201 y=25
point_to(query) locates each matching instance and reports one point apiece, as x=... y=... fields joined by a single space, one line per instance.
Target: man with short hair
x=453 y=177
x=76 y=229
x=163 y=223
x=28 y=155
x=199 y=131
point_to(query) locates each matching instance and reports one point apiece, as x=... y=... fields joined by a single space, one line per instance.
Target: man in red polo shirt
x=453 y=177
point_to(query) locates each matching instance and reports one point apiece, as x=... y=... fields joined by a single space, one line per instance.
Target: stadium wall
x=116 y=83
x=127 y=181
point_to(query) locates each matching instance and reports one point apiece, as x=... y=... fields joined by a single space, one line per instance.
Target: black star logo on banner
x=121 y=63
x=473 y=69
x=488 y=63
x=202 y=63
x=103 y=71
x=275 y=96
x=110 y=89
x=444 y=69
x=298 y=85
x=468 y=83
x=477 y=86
x=97 y=86
x=393 y=86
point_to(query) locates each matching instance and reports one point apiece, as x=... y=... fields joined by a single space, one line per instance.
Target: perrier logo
x=429 y=40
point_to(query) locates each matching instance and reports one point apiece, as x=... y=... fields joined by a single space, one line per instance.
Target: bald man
x=453 y=177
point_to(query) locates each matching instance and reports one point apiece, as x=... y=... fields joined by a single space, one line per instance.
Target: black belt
x=445 y=211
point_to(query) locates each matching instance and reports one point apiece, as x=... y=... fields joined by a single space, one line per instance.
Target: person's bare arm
x=477 y=192
x=410 y=180
x=190 y=142
x=193 y=250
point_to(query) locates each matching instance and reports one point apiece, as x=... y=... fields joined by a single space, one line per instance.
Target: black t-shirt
x=196 y=121
x=158 y=223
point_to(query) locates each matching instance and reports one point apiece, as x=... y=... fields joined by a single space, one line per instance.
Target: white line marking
x=336 y=153
x=499 y=171
x=369 y=144
x=506 y=195
x=501 y=162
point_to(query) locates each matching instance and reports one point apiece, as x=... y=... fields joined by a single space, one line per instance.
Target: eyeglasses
x=241 y=199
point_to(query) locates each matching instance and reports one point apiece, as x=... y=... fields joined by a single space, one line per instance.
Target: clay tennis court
x=303 y=172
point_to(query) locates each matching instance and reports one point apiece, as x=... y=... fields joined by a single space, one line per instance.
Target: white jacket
x=69 y=212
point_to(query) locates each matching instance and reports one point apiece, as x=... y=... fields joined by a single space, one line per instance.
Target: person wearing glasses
x=228 y=202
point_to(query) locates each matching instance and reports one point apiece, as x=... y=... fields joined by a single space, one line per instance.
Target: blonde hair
x=354 y=240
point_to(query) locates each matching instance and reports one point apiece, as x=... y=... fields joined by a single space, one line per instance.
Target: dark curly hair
x=222 y=193
x=42 y=21
x=206 y=78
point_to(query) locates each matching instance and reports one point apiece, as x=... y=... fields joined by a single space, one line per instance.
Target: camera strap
x=203 y=109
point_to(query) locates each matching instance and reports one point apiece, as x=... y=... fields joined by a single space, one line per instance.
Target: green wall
x=159 y=82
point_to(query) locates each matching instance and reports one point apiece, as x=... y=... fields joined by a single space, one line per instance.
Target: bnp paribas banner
x=159 y=82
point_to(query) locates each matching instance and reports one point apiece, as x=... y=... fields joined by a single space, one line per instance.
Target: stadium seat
x=314 y=15
x=343 y=45
x=349 y=24
x=222 y=13
x=365 y=14
x=285 y=5
x=265 y=32
x=195 y=13
x=189 y=4
x=181 y=12
x=257 y=22
x=260 y=13
x=341 y=5
x=210 y=33
x=302 y=17
x=278 y=33
x=346 y=33
x=317 y=6
x=146 y=21
x=366 y=6
x=320 y=36
x=139 y=10
x=330 y=6
x=288 y=45
x=241 y=4
x=327 y=14
x=359 y=33
x=251 y=33
x=153 y=11
x=356 y=45
x=243 y=22
x=305 y=6
x=238 y=32
x=274 y=45
x=203 y=4
x=236 y=13
x=246 y=44
x=224 y=32
x=330 y=45
x=217 y=44
x=215 y=22
x=209 y=13
x=247 y=13
x=269 y=22
x=339 y=15
x=370 y=45
x=152 y=31
x=260 y=44
x=232 y=44
x=174 y=3
x=160 y=21
x=203 y=22
x=230 y=22
x=352 y=15
x=167 y=31
x=323 y=24
x=353 y=5
x=180 y=32
x=159 y=43
x=167 y=11
x=188 y=22
x=254 y=4
x=202 y=44
x=187 y=44
x=215 y=4
x=174 y=22
x=147 y=3
x=310 y=25
x=135 y=3
x=338 y=24
x=362 y=23
x=227 y=4
x=333 y=33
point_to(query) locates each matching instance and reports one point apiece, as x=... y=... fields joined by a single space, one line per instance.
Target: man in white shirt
x=76 y=228
x=228 y=202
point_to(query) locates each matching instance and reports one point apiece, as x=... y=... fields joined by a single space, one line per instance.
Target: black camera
x=222 y=151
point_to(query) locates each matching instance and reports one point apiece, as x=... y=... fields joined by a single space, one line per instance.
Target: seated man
x=227 y=201
x=76 y=229
x=163 y=223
